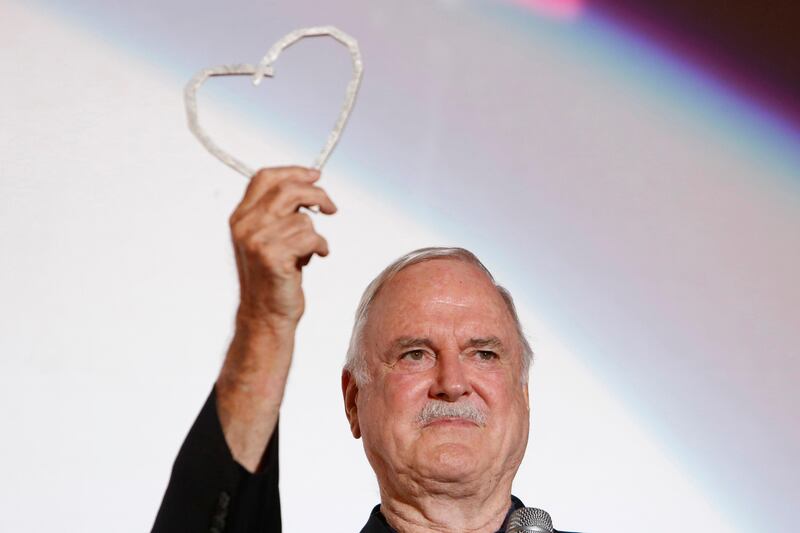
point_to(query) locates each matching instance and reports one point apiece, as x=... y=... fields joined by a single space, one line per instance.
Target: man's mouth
x=452 y=421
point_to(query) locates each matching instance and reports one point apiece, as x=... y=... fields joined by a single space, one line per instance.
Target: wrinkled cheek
x=513 y=429
x=377 y=443
x=405 y=396
x=398 y=384
x=370 y=413
x=384 y=422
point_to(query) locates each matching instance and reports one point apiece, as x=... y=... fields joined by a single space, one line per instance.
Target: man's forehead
x=441 y=279
x=447 y=299
x=446 y=293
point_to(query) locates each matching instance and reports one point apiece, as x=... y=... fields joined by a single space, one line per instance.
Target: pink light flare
x=555 y=9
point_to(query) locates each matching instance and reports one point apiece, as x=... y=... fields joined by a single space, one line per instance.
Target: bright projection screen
x=645 y=216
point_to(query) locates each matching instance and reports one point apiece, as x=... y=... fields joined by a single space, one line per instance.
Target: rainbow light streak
x=555 y=9
x=724 y=112
x=736 y=112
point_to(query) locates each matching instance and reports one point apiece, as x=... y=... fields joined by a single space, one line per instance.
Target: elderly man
x=435 y=382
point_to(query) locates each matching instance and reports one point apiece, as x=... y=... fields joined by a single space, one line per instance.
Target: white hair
x=356 y=362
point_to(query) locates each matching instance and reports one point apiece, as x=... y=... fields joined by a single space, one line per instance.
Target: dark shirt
x=210 y=492
x=377 y=522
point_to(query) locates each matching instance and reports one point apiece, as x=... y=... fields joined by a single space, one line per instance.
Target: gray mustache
x=439 y=409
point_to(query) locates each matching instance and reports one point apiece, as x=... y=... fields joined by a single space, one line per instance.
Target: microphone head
x=529 y=520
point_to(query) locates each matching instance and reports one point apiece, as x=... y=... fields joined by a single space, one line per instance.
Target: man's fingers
x=309 y=242
x=266 y=178
x=291 y=238
x=281 y=200
x=267 y=225
x=287 y=227
x=291 y=196
x=273 y=210
x=284 y=200
x=301 y=240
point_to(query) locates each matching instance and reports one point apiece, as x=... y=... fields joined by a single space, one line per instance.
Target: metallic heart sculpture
x=263 y=69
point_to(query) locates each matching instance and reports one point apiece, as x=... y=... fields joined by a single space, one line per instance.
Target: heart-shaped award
x=263 y=69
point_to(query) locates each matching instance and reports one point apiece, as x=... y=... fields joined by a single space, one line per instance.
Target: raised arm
x=272 y=240
x=225 y=477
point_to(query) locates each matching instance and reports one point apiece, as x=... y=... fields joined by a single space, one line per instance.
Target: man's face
x=440 y=332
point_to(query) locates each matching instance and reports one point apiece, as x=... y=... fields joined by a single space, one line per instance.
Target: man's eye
x=414 y=355
x=486 y=355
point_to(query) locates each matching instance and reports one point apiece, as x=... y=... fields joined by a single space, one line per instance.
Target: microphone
x=529 y=520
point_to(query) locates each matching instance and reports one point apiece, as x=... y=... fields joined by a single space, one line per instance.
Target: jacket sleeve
x=210 y=492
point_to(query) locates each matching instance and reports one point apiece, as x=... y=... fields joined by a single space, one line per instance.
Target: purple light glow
x=555 y=9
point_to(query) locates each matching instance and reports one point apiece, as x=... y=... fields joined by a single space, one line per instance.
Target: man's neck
x=443 y=513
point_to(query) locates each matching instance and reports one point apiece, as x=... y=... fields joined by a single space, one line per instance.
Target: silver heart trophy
x=259 y=72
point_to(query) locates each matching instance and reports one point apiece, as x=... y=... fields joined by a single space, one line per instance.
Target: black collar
x=377 y=522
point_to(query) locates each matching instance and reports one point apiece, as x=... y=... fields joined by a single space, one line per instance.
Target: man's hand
x=272 y=241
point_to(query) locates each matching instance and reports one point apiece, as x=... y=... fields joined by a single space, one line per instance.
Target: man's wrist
x=258 y=359
x=256 y=326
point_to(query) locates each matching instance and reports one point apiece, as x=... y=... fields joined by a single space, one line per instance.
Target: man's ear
x=350 y=396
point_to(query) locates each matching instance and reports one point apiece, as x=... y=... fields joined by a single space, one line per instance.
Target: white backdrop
x=118 y=291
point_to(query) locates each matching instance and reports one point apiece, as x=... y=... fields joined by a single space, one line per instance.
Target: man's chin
x=448 y=461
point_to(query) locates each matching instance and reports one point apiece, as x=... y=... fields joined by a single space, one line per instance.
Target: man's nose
x=451 y=380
